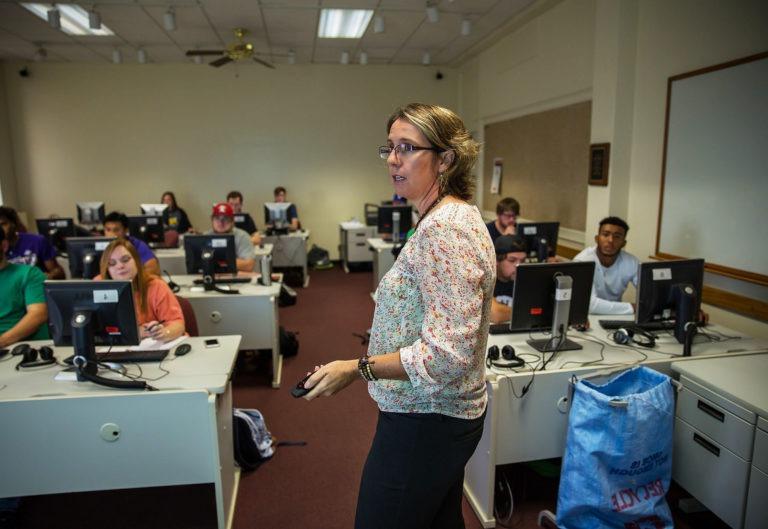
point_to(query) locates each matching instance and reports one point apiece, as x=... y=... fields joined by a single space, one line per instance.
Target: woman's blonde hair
x=142 y=279
x=446 y=131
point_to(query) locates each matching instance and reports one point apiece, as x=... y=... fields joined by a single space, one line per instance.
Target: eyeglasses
x=403 y=149
x=123 y=260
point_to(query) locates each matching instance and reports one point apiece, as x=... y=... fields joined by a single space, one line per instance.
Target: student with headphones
x=23 y=312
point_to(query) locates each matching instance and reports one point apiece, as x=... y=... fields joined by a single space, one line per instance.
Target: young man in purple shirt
x=28 y=248
x=116 y=225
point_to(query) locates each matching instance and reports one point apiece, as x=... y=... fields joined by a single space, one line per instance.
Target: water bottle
x=265 y=267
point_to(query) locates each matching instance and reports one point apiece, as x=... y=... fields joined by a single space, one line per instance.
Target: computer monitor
x=148 y=228
x=210 y=255
x=541 y=239
x=90 y=212
x=84 y=314
x=85 y=254
x=670 y=291
x=56 y=230
x=155 y=210
x=241 y=221
x=552 y=296
x=276 y=215
x=394 y=221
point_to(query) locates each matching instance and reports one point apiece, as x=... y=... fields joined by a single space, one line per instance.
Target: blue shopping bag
x=618 y=454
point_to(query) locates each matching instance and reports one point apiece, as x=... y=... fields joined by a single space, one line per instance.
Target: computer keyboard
x=610 y=325
x=143 y=355
x=227 y=280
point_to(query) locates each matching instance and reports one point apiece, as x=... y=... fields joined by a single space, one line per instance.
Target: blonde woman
x=157 y=310
x=425 y=363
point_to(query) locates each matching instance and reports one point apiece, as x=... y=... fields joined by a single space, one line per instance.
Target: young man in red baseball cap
x=223 y=221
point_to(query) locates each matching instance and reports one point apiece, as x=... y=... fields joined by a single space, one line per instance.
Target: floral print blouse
x=434 y=307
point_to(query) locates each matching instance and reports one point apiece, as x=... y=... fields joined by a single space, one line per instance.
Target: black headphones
x=636 y=336
x=30 y=356
x=508 y=357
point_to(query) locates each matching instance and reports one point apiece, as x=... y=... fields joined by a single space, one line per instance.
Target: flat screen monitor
x=276 y=215
x=88 y=313
x=210 y=254
x=670 y=291
x=552 y=296
x=90 y=212
x=541 y=239
x=84 y=255
x=394 y=221
x=56 y=230
x=244 y=222
x=148 y=228
x=155 y=210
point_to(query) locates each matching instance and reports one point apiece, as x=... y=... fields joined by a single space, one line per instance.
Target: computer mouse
x=182 y=349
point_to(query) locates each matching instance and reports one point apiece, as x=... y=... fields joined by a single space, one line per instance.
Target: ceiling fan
x=236 y=51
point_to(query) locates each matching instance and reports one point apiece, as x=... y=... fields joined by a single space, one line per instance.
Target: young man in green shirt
x=23 y=312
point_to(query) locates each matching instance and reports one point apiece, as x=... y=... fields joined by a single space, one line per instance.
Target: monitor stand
x=559 y=340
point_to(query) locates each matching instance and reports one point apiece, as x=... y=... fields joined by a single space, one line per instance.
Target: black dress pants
x=414 y=473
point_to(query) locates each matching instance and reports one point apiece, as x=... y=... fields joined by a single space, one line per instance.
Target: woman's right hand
x=331 y=378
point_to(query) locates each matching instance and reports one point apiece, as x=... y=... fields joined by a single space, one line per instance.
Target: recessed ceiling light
x=343 y=23
x=74 y=19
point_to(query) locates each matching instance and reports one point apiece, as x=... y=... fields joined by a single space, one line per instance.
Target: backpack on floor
x=289 y=344
x=319 y=258
x=253 y=442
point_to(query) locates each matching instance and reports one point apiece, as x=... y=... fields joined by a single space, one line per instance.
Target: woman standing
x=157 y=310
x=425 y=359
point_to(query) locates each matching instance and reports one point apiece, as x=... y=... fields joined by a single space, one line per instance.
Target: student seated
x=507 y=211
x=28 y=248
x=116 y=225
x=157 y=310
x=292 y=214
x=174 y=217
x=23 y=312
x=510 y=252
x=614 y=268
x=235 y=199
x=223 y=221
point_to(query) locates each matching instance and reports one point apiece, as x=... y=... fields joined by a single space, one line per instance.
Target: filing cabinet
x=353 y=248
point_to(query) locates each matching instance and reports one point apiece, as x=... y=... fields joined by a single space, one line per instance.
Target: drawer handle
x=360 y=244
x=709 y=410
x=706 y=444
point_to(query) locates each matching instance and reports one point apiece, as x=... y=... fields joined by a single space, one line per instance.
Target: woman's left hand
x=331 y=378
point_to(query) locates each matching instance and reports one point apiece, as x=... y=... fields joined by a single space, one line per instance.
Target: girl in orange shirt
x=157 y=310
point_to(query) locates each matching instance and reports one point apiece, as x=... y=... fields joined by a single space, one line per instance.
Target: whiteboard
x=715 y=183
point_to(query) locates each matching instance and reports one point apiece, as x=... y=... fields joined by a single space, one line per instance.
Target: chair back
x=190 y=320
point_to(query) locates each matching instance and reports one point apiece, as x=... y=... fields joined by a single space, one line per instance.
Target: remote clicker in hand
x=300 y=390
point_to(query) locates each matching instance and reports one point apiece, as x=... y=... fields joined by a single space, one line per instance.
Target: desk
x=290 y=251
x=53 y=431
x=252 y=314
x=353 y=247
x=721 y=442
x=174 y=262
x=382 y=259
x=534 y=427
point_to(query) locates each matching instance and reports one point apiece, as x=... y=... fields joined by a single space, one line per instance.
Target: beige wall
x=619 y=53
x=7 y=177
x=124 y=134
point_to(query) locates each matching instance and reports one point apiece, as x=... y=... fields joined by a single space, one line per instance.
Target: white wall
x=126 y=133
x=619 y=53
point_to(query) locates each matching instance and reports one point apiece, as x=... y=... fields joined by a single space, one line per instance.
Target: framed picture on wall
x=599 y=156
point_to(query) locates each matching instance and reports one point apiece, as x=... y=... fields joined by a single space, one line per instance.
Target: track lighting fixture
x=117 y=56
x=169 y=20
x=344 y=57
x=141 y=56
